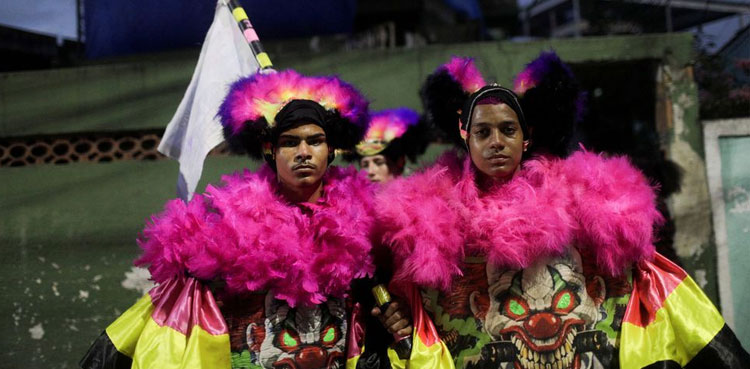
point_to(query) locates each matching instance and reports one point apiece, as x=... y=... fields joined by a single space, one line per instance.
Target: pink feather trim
x=465 y=72
x=433 y=219
x=243 y=233
x=615 y=208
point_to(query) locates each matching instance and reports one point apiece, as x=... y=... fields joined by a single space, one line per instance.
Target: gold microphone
x=402 y=345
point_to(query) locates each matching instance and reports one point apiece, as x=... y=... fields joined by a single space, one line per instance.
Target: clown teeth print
x=562 y=357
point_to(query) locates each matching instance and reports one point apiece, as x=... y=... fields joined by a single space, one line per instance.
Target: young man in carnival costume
x=537 y=261
x=392 y=136
x=284 y=244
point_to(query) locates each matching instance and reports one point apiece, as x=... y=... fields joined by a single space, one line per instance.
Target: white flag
x=195 y=130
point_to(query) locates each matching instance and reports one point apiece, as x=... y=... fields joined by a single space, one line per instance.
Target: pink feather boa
x=433 y=219
x=243 y=233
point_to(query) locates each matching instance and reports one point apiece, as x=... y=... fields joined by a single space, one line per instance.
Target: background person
x=393 y=136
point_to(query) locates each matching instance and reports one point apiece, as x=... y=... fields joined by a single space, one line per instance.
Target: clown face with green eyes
x=303 y=337
x=541 y=311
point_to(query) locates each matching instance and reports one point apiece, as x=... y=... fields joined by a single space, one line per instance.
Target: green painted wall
x=735 y=179
x=96 y=98
x=690 y=207
x=67 y=234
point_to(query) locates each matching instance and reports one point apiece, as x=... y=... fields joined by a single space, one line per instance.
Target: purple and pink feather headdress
x=259 y=97
x=386 y=126
x=464 y=72
x=553 y=102
x=445 y=90
x=549 y=69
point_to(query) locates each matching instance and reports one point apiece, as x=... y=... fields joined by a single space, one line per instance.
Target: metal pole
x=668 y=11
x=526 y=22
x=552 y=23
x=81 y=22
x=249 y=32
x=577 y=18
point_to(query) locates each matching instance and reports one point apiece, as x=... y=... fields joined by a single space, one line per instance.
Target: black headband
x=294 y=114
x=297 y=111
x=503 y=94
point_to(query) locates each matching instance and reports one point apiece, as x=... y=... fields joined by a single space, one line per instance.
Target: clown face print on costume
x=558 y=313
x=267 y=333
x=304 y=337
x=545 y=312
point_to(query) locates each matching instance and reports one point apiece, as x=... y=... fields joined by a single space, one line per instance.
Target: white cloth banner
x=195 y=129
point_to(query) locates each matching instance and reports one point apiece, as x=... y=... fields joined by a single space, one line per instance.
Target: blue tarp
x=121 y=27
x=470 y=8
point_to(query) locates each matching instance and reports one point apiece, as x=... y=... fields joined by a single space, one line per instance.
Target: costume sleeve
x=355 y=339
x=428 y=350
x=367 y=339
x=177 y=324
x=670 y=323
x=173 y=242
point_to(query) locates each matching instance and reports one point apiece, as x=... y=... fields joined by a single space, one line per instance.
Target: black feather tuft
x=442 y=98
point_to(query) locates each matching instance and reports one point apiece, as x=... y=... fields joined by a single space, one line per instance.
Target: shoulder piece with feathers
x=437 y=217
x=244 y=234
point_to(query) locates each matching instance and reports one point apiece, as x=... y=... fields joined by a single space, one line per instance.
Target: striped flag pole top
x=250 y=35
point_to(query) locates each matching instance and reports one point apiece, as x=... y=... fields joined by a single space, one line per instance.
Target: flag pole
x=250 y=35
x=228 y=53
